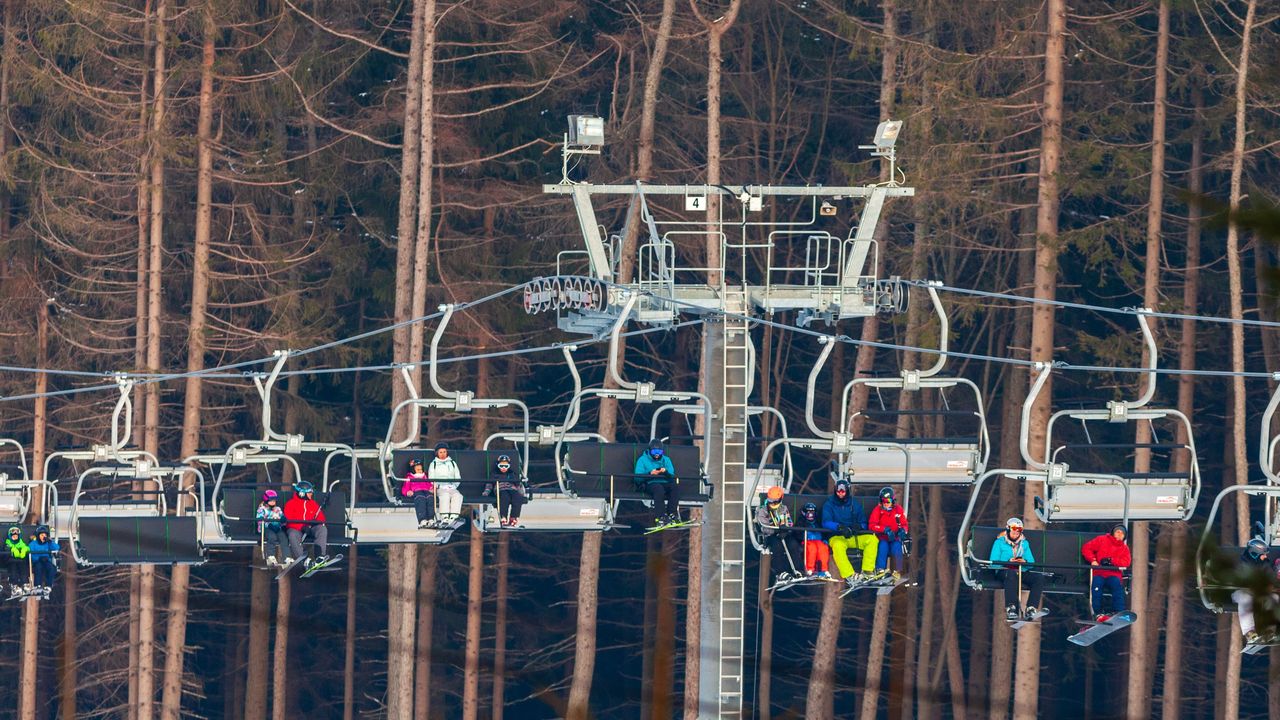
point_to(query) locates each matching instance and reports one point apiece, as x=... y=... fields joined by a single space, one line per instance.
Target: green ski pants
x=840 y=549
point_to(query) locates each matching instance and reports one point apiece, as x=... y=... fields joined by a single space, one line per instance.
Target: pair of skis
x=311 y=569
x=670 y=526
x=28 y=594
x=801 y=580
x=883 y=586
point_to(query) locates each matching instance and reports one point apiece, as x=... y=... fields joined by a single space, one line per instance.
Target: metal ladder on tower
x=733 y=536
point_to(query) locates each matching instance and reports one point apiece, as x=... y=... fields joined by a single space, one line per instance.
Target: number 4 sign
x=695 y=202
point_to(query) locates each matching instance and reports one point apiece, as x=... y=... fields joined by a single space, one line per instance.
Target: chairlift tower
x=810 y=250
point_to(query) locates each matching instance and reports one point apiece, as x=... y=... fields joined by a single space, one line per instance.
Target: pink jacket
x=416 y=482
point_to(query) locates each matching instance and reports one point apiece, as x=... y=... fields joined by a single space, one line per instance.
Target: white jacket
x=443 y=470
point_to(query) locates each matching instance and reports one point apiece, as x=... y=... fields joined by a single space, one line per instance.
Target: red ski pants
x=816 y=553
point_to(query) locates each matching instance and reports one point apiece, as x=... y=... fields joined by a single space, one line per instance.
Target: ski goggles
x=504 y=466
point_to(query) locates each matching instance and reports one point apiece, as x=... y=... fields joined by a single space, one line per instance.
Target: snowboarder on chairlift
x=445 y=475
x=1012 y=552
x=43 y=549
x=511 y=492
x=17 y=565
x=1256 y=554
x=889 y=521
x=845 y=515
x=304 y=517
x=271 y=527
x=775 y=524
x=656 y=475
x=817 y=556
x=418 y=488
x=1109 y=556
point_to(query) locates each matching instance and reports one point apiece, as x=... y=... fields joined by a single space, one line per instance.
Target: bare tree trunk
x=715 y=57
x=28 y=674
x=475 y=606
x=585 y=647
x=257 y=676
x=428 y=563
x=67 y=671
x=1231 y=708
x=1139 y=690
x=155 y=309
x=349 y=642
x=764 y=671
x=664 y=652
x=692 y=618
x=875 y=658
x=280 y=659
x=502 y=561
x=1171 y=701
x=407 y=216
x=176 y=633
x=926 y=696
x=1027 y=673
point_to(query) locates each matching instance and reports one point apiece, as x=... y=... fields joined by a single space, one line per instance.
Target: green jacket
x=17 y=550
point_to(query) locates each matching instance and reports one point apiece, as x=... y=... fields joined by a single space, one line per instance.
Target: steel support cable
x=1094 y=308
x=221 y=371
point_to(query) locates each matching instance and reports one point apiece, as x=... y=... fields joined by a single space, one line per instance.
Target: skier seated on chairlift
x=817 y=556
x=1109 y=556
x=17 y=566
x=656 y=475
x=445 y=475
x=1257 y=554
x=44 y=549
x=889 y=521
x=418 y=488
x=304 y=518
x=776 y=525
x=1011 y=555
x=845 y=515
x=271 y=528
x=511 y=492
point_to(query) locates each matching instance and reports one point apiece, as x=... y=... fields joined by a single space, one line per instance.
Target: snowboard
x=1019 y=624
x=325 y=566
x=1095 y=631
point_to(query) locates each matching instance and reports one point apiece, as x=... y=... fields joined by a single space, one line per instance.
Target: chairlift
x=15 y=486
x=1215 y=594
x=605 y=470
x=1097 y=491
x=230 y=519
x=395 y=521
x=953 y=458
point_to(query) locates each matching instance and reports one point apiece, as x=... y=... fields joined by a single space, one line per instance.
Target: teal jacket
x=645 y=464
x=1003 y=550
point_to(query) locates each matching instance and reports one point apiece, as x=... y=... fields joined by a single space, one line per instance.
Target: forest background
x=188 y=184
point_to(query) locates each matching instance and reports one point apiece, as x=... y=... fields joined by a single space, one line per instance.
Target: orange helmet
x=775 y=493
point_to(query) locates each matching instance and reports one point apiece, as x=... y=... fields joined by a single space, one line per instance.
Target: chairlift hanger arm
x=1267 y=443
x=734 y=190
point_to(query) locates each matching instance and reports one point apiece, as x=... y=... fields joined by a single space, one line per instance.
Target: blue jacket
x=1002 y=550
x=811 y=535
x=43 y=550
x=646 y=464
x=849 y=512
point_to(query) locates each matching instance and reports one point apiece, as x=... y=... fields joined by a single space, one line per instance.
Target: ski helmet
x=270 y=495
x=15 y=530
x=887 y=492
x=42 y=530
x=1013 y=522
x=302 y=487
x=842 y=485
x=775 y=494
x=504 y=460
x=809 y=509
x=655 y=448
x=1257 y=548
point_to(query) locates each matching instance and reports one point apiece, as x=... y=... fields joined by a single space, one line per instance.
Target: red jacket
x=895 y=518
x=297 y=510
x=1107 y=546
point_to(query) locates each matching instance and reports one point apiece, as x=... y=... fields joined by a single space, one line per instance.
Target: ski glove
x=845 y=530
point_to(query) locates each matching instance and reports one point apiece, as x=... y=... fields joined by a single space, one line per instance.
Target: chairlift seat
x=237 y=515
x=1152 y=496
x=386 y=523
x=1055 y=551
x=607 y=470
x=11 y=506
x=558 y=512
x=477 y=468
x=165 y=540
x=941 y=463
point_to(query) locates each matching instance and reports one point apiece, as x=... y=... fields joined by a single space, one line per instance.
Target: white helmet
x=1013 y=522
